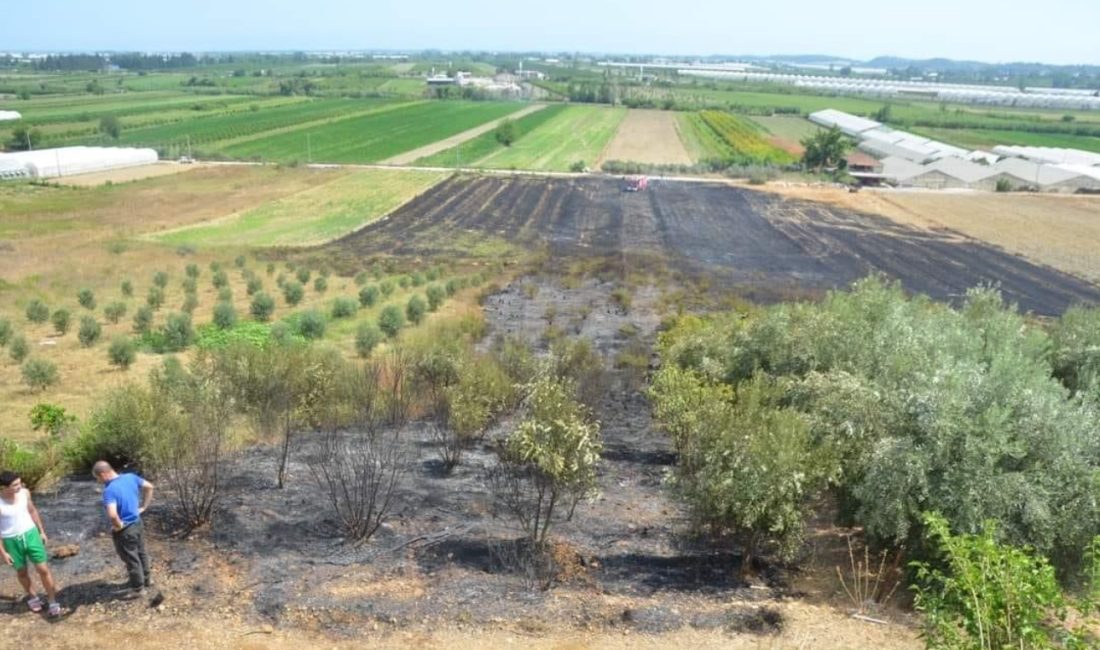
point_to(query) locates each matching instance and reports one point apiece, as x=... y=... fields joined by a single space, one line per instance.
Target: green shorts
x=28 y=547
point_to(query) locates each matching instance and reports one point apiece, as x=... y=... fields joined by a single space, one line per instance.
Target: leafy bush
x=143 y=320
x=270 y=268
x=391 y=320
x=211 y=337
x=176 y=334
x=225 y=294
x=220 y=279
x=51 y=419
x=160 y=279
x=18 y=348
x=436 y=296
x=367 y=337
x=404 y=281
x=37 y=311
x=254 y=286
x=320 y=285
x=239 y=261
x=225 y=316
x=118 y=430
x=39 y=374
x=344 y=307
x=89 y=332
x=293 y=293
x=989 y=595
x=155 y=298
x=60 y=320
x=1076 y=348
x=122 y=352
x=262 y=307
x=361 y=278
x=33 y=465
x=368 y=296
x=86 y=298
x=5 y=331
x=190 y=303
x=386 y=287
x=114 y=311
x=192 y=271
x=311 y=324
x=127 y=288
x=415 y=310
x=418 y=279
x=303 y=275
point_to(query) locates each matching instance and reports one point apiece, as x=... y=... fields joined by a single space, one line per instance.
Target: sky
x=1048 y=31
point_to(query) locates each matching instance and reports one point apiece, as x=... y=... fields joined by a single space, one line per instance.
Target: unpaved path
x=163 y=168
x=455 y=140
x=648 y=136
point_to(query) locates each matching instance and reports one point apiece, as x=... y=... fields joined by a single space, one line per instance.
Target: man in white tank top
x=24 y=541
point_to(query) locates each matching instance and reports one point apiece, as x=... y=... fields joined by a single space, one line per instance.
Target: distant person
x=125 y=497
x=24 y=541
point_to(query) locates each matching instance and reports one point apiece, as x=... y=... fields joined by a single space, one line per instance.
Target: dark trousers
x=130 y=546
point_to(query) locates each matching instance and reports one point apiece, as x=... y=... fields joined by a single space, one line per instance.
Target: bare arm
x=146 y=496
x=112 y=514
x=34 y=517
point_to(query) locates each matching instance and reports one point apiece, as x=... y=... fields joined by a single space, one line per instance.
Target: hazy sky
x=1051 y=31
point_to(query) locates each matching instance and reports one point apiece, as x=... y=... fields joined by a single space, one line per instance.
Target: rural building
x=948 y=173
x=13 y=170
x=862 y=163
x=1053 y=155
x=70 y=161
x=850 y=125
x=6 y=116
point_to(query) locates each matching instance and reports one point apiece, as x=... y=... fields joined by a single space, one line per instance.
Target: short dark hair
x=7 y=478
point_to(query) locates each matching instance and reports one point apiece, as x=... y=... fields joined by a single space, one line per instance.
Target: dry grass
x=648 y=136
x=1059 y=231
x=128 y=174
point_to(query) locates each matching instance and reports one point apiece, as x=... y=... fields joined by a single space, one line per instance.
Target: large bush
x=391 y=320
x=89 y=332
x=5 y=332
x=61 y=319
x=37 y=311
x=119 y=430
x=39 y=374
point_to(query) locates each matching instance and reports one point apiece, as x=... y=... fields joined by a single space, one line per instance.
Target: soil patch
x=648 y=136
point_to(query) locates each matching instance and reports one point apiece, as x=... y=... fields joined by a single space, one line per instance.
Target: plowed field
x=765 y=246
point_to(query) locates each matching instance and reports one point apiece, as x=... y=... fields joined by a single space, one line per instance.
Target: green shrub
x=37 y=311
x=190 y=303
x=155 y=298
x=386 y=287
x=303 y=275
x=61 y=319
x=86 y=298
x=311 y=324
x=5 y=331
x=320 y=285
x=367 y=337
x=361 y=278
x=192 y=271
x=1076 y=348
x=211 y=337
x=51 y=419
x=391 y=320
x=39 y=374
x=404 y=281
x=143 y=320
x=220 y=279
x=33 y=465
x=482 y=392
x=988 y=595
x=215 y=267
x=127 y=288
x=190 y=285
x=415 y=310
x=114 y=311
x=262 y=307
x=118 y=430
x=160 y=279
x=451 y=287
x=176 y=334
x=89 y=332
x=271 y=268
x=240 y=261
x=293 y=293
x=122 y=352
x=418 y=279
x=436 y=296
x=368 y=296
x=18 y=348
x=225 y=316
x=282 y=333
x=255 y=285
x=344 y=307
x=225 y=294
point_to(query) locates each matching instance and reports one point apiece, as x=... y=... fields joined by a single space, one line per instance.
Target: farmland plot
x=648 y=136
x=472 y=151
x=766 y=247
x=375 y=136
x=578 y=134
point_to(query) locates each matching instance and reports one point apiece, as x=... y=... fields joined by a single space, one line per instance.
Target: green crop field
x=790 y=129
x=486 y=144
x=577 y=134
x=314 y=215
x=988 y=138
x=376 y=136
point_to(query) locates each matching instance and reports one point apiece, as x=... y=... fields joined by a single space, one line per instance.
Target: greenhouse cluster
x=7 y=116
x=70 y=161
x=1059 y=98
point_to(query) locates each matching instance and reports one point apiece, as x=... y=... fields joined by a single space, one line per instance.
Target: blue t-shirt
x=125 y=492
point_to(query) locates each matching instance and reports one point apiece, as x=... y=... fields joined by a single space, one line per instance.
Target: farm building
x=11 y=170
x=6 y=116
x=947 y=173
x=849 y=125
x=70 y=161
x=1052 y=155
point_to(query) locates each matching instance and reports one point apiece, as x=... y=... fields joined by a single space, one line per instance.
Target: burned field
x=764 y=247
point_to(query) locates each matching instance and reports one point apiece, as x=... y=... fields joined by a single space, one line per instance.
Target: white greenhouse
x=70 y=161
x=10 y=115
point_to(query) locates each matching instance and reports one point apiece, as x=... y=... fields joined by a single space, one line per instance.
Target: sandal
x=55 y=610
x=34 y=603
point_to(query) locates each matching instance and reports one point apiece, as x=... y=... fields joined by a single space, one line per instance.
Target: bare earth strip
x=648 y=136
x=126 y=174
x=1059 y=231
x=454 y=140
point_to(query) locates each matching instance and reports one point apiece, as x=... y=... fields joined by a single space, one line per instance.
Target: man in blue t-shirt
x=125 y=497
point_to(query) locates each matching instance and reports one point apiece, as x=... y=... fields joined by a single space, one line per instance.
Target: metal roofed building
x=6 y=116
x=850 y=125
x=70 y=161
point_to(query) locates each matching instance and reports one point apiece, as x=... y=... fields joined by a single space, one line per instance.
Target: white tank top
x=15 y=518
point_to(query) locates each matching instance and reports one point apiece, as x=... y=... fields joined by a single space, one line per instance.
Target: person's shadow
x=72 y=597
